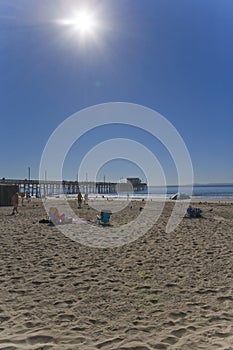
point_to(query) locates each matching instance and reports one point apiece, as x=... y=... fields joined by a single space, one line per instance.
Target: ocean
x=201 y=192
x=221 y=192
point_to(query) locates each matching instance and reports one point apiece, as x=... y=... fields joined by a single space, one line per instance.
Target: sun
x=84 y=22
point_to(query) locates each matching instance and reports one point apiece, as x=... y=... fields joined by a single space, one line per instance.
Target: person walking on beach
x=86 y=199
x=22 y=195
x=15 y=203
x=28 y=197
x=80 y=199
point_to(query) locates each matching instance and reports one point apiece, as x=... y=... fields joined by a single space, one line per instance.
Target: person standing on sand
x=28 y=197
x=15 y=203
x=22 y=195
x=86 y=198
x=80 y=199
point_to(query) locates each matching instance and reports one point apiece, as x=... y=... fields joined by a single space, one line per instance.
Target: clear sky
x=173 y=56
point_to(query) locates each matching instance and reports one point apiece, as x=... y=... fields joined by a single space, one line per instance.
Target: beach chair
x=104 y=217
x=194 y=212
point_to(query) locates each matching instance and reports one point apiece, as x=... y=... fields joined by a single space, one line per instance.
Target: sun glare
x=83 y=22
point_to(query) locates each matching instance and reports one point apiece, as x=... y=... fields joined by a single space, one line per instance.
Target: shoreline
x=141 y=198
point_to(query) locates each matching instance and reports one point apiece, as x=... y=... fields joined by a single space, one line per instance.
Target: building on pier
x=137 y=184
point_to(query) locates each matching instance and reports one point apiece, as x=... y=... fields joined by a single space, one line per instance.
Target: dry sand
x=163 y=291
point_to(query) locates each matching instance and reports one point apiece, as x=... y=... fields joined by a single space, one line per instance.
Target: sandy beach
x=162 y=291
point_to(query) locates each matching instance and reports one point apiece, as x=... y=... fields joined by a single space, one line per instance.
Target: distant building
x=138 y=185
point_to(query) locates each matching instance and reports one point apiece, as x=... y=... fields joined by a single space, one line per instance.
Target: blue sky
x=173 y=56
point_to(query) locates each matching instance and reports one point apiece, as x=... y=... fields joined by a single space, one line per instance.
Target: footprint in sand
x=4 y=318
x=179 y=332
x=225 y=298
x=177 y=315
x=109 y=343
x=132 y=346
x=66 y=317
x=40 y=339
x=169 y=340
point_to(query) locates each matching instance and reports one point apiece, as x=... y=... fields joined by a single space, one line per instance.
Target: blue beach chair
x=104 y=217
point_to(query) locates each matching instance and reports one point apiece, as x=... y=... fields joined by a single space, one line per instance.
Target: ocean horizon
x=223 y=191
x=202 y=192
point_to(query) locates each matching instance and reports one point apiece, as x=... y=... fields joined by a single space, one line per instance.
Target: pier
x=40 y=188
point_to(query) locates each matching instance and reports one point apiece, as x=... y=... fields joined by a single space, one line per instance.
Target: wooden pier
x=49 y=187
